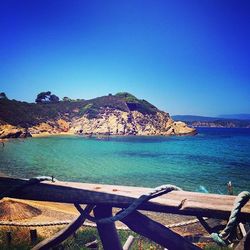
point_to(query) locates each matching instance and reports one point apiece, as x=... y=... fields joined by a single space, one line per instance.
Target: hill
x=236 y=116
x=26 y=114
x=203 y=121
x=193 y=118
x=120 y=114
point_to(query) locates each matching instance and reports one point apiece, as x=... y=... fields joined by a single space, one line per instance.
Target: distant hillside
x=203 y=121
x=120 y=114
x=236 y=116
x=193 y=118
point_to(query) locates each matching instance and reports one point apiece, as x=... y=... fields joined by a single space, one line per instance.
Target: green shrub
x=25 y=114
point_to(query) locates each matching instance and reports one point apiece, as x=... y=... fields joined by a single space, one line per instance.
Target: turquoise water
x=198 y=163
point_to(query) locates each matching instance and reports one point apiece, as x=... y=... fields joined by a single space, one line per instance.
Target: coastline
x=222 y=127
x=47 y=134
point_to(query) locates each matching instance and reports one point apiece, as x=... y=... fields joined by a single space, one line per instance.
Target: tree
x=43 y=97
x=3 y=96
x=54 y=98
x=66 y=99
x=46 y=97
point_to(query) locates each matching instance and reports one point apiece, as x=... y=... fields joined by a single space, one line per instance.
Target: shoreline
x=100 y=136
x=47 y=134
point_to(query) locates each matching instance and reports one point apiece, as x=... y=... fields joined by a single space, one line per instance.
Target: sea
x=203 y=163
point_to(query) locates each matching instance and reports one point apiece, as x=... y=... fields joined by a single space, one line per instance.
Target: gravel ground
x=51 y=212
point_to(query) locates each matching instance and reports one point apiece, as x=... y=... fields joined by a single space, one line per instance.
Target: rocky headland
x=120 y=114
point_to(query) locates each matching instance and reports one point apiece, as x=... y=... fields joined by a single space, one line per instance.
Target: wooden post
x=129 y=242
x=205 y=224
x=211 y=225
x=107 y=232
x=242 y=229
x=8 y=237
x=156 y=232
x=33 y=236
x=244 y=243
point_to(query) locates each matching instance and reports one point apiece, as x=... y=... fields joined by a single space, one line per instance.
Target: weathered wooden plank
x=160 y=234
x=179 y=202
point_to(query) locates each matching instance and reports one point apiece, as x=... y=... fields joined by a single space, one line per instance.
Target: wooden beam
x=179 y=202
x=160 y=234
x=107 y=232
x=244 y=243
x=205 y=225
x=64 y=233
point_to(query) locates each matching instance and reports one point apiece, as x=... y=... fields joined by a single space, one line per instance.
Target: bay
x=204 y=163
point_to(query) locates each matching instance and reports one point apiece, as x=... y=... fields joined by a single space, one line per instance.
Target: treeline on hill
x=205 y=121
x=49 y=107
x=224 y=123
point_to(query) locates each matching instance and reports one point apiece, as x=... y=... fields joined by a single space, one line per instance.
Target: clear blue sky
x=186 y=57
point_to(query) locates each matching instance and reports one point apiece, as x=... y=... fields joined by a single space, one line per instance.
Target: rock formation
x=116 y=122
x=121 y=114
x=10 y=131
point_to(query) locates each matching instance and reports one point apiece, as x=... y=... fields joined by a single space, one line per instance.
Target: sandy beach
x=45 y=134
x=54 y=213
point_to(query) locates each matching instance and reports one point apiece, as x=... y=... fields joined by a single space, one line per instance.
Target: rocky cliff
x=120 y=114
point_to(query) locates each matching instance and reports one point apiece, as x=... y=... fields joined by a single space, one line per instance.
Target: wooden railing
x=104 y=197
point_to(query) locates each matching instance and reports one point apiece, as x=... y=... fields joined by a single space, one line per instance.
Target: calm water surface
x=205 y=162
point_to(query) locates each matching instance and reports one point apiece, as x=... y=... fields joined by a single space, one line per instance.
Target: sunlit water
x=205 y=162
